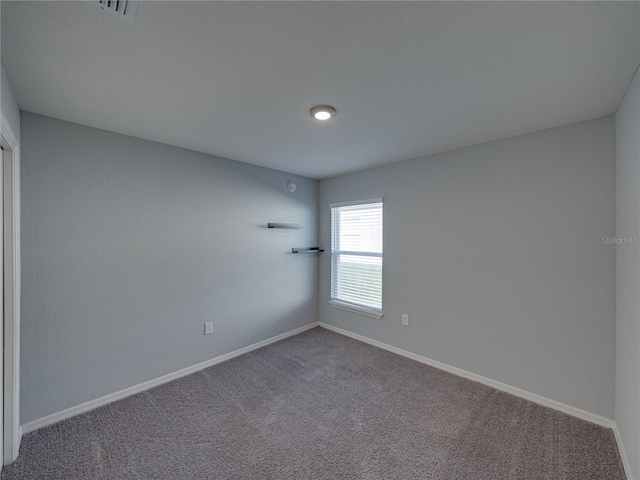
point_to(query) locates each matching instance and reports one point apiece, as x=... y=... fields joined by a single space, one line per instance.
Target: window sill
x=369 y=312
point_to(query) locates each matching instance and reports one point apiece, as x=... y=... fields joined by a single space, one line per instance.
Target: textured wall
x=129 y=246
x=495 y=252
x=628 y=274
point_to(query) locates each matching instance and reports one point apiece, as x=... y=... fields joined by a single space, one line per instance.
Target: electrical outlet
x=208 y=328
x=405 y=319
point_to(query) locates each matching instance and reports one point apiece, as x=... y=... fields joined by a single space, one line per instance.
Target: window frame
x=335 y=253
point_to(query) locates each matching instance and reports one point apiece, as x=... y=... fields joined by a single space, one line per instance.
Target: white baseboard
x=112 y=397
x=547 y=402
x=623 y=453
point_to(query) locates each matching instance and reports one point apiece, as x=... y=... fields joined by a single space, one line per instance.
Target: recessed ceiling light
x=322 y=112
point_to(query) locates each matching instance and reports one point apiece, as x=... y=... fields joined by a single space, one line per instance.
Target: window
x=356 y=256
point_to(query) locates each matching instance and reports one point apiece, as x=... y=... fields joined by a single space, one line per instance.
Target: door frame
x=12 y=433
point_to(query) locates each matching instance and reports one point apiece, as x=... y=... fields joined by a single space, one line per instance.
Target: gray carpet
x=320 y=406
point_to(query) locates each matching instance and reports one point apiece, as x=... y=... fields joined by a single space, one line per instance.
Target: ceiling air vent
x=124 y=9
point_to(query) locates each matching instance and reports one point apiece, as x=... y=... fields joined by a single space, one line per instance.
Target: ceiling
x=237 y=79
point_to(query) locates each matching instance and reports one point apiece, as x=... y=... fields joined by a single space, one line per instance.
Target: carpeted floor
x=320 y=406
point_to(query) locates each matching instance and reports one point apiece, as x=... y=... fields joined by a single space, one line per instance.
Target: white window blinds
x=356 y=254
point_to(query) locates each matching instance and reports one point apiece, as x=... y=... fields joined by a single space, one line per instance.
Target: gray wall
x=628 y=274
x=9 y=106
x=495 y=252
x=129 y=246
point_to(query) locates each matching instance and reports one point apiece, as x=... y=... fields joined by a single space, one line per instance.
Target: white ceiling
x=237 y=79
